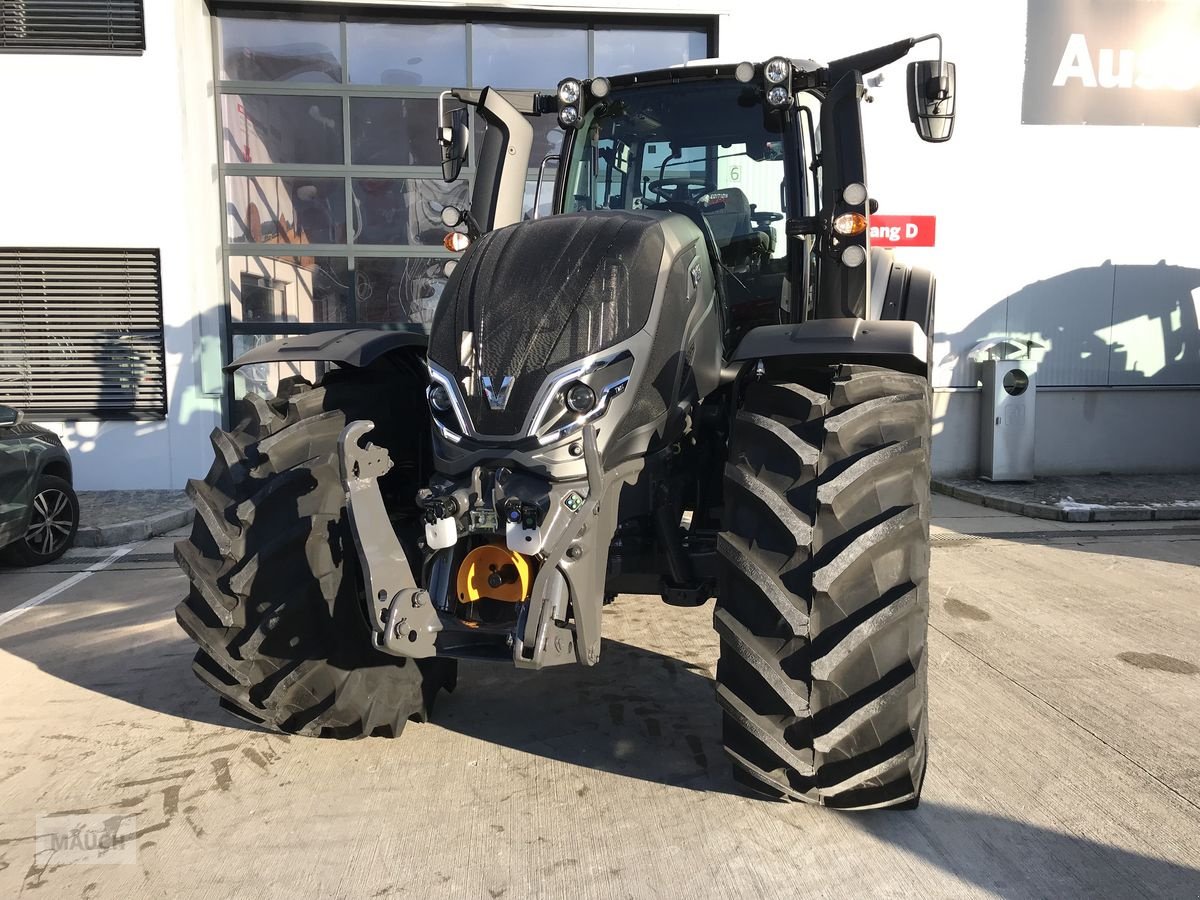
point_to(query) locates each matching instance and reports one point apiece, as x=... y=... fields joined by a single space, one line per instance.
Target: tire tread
x=852 y=593
x=274 y=600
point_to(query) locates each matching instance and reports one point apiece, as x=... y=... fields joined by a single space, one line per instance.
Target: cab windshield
x=708 y=150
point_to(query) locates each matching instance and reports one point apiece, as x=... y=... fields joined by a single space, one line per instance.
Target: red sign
x=903 y=231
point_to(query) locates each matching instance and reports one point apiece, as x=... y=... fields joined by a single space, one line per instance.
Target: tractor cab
x=766 y=160
x=708 y=149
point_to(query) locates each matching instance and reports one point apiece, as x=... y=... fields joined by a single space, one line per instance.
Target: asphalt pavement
x=1064 y=676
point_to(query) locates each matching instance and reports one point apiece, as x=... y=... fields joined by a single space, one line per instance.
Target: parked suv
x=39 y=512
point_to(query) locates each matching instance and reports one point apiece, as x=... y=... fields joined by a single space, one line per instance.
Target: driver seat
x=727 y=211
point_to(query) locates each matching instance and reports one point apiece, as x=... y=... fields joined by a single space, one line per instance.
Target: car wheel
x=52 y=525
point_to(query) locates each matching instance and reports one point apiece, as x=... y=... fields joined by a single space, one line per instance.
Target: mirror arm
x=941 y=86
x=445 y=134
x=473 y=229
x=933 y=36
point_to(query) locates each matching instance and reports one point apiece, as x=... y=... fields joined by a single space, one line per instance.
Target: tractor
x=692 y=378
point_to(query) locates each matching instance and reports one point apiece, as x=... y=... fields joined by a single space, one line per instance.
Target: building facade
x=263 y=169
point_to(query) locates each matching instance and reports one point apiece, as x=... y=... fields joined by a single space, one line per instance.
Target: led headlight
x=600 y=87
x=854 y=256
x=568 y=116
x=439 y=398
x=580 y=398
x=744 y=72
x=568 y=91
x=777 y=70
x=855 y=193
x=778 y=96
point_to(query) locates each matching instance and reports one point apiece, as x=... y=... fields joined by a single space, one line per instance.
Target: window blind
x=81 y=333
x=72 y=26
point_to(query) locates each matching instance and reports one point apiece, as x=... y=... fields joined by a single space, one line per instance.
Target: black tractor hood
x=533 y=297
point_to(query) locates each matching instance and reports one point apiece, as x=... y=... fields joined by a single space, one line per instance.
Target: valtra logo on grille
x=497 y=395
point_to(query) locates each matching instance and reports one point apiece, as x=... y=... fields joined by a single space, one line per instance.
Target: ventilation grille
x=72 y=26
x=81 y=333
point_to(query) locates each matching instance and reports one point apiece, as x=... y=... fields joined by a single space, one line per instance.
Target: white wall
x=121 y=152
x=1081 y=432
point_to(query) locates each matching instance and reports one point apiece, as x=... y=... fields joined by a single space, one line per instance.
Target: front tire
x=275 y=600
x=823 y=609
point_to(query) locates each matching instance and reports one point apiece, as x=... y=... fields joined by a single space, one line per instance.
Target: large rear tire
x=823 y=608
x=275 y=601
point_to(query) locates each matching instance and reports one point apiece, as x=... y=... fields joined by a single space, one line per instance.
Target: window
x=524 y=56
x=621 y=50
x=279 y=50
x=81 y=333
x=80 y=26
x=331 y=178
x=407 y=55
x=710 y=153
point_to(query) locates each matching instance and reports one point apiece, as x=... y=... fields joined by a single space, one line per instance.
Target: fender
x=899 y=345
x=357 y=347
x=909 y=295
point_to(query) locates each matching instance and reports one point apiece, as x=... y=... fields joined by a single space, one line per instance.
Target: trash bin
x=1006 y=414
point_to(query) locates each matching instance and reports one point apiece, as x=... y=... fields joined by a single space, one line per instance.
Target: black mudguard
x=909 y=296
x=899 y=345
x=357 y=347
x=896 y=336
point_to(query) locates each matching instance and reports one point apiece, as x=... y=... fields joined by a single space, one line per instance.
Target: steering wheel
x=680 y=188
x=765 y=218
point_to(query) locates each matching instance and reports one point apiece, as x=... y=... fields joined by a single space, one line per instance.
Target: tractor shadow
x=1014 y=858
x=1110 y=325
x=637 y=713
x=124 y=647
x=1108 y=333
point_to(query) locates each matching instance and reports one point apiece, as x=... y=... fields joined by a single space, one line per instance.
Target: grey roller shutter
x=81 y=333
x=72 y=26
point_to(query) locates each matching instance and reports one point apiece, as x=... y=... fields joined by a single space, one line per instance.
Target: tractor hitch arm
x=404 y=621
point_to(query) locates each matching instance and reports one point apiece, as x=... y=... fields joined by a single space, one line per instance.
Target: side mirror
x=931 y=99
x=454 y=134
x=9 y=416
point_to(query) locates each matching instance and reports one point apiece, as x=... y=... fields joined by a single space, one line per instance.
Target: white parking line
x=50 y=593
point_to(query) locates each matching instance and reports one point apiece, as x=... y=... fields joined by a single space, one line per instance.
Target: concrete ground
x=1064 y=676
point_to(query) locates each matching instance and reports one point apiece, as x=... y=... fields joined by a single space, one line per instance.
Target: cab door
x=844 y=284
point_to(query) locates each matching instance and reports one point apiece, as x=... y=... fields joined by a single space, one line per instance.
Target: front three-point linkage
x=404 y=621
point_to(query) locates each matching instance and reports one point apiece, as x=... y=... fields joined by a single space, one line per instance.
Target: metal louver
x=81 y=333
x=72 y=26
